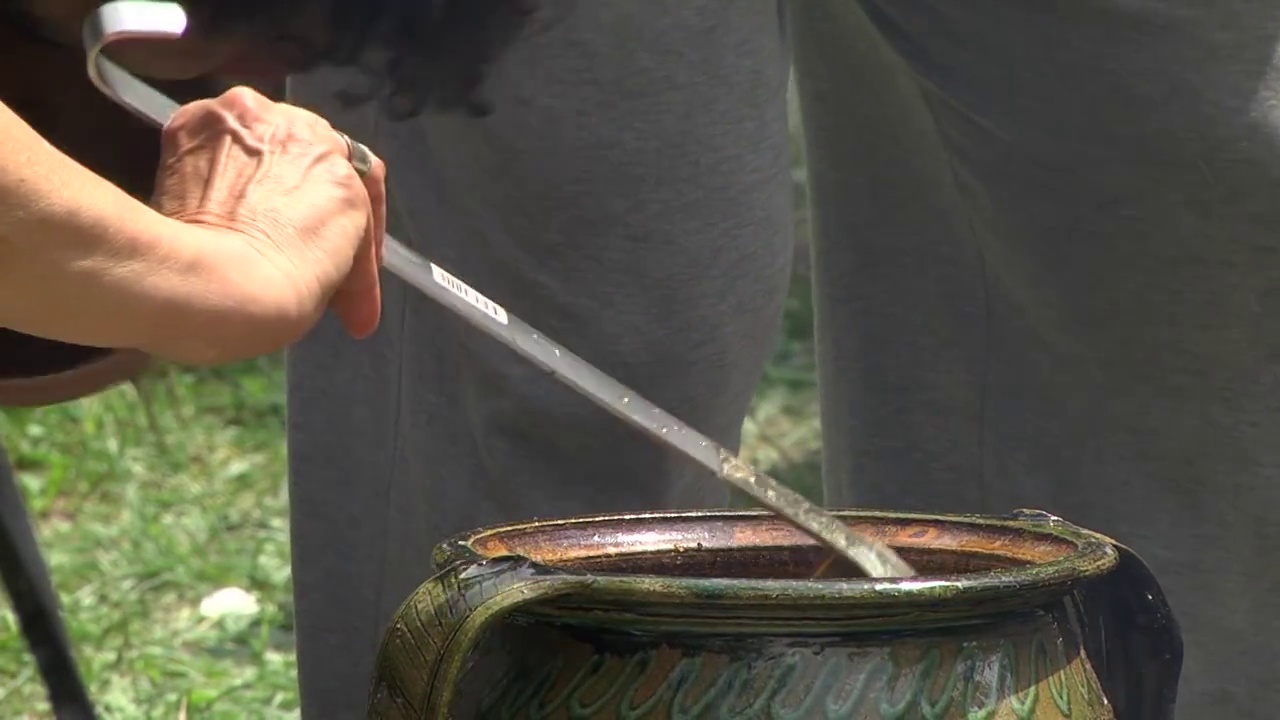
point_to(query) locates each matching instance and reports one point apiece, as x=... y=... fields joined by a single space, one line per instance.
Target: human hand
x=289 y=227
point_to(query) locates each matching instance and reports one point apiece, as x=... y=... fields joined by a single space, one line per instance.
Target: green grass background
x=149 y=497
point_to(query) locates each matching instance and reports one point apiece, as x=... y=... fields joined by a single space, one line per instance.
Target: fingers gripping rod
x=135 y=19
x=147 y=19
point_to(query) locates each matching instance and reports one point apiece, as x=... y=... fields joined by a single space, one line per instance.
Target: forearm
x=80 y=260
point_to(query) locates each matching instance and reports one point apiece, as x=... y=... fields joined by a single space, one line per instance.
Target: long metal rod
x=163 y=20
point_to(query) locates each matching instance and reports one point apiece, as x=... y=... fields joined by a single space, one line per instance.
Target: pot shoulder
x=1017 y=668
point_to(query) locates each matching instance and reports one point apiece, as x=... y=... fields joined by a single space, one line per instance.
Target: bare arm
x=260 y=224
x=80 y=260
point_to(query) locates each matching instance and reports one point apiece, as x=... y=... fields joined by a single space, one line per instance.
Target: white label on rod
x=465 y=291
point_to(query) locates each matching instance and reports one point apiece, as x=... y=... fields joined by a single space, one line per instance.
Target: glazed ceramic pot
x=716 y=615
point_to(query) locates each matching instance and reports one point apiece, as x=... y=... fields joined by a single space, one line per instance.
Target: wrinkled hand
x=287 y=217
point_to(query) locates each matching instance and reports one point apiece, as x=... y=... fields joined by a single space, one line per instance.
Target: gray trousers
x=1047 y=265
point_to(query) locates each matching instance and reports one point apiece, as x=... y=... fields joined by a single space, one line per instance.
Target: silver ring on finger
x=358 y=154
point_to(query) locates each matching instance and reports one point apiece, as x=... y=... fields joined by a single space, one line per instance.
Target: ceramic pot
x=715 y=615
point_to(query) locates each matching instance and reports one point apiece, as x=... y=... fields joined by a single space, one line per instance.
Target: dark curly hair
x=413 y=55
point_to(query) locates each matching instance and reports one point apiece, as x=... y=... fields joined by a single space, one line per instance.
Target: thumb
x=358 y=301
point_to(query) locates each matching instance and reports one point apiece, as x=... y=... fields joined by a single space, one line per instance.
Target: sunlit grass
x=148 y=502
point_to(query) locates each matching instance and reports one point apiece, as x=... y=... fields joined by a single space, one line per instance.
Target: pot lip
x=1095 y=555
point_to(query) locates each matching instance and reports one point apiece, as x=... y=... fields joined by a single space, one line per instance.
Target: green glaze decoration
x=716 y=616
x=1023 y=676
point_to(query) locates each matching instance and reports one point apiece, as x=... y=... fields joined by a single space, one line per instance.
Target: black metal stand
x=30 y=589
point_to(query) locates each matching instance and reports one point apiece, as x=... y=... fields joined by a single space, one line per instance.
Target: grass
x=149 y=498
x=145 y=504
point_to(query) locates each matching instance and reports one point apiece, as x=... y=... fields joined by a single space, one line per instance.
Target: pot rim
x=1093 y=556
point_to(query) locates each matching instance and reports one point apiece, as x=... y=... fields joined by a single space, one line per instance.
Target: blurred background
x=162 y=511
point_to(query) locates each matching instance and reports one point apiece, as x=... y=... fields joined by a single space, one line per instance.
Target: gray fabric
x=1048 y=260
x=1047 y=275
x=610 y=204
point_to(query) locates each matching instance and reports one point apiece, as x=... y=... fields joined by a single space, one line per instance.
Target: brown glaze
x=701 y=615
x=627 y=539
x=871 y=556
